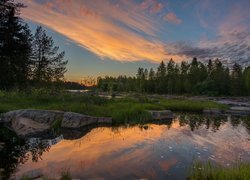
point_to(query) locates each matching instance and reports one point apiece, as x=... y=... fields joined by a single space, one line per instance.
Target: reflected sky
x=150 y=151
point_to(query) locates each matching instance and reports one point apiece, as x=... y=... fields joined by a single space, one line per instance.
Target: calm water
x=152 y=151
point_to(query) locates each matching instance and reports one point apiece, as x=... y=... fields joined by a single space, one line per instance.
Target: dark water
x=152 y=151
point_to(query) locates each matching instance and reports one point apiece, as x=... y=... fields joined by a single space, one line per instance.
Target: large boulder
x=40 y=116
x=76 y=120
x=161 y=115
x=31 y=122
x=24 y=126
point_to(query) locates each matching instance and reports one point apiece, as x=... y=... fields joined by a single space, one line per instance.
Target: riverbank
x=127 y=109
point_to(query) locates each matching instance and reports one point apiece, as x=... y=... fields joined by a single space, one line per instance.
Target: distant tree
x=140 y=79
x=171 y=76
x=209 y=66
x=237 y=83
x=49 y=65
x=220 y=78
x=161 y=78
x=184 y=81
x=197 y=74
x=184 y=78
x=151 y=81
x=246 y=76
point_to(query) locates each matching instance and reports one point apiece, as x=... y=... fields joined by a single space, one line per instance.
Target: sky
x=116 y=37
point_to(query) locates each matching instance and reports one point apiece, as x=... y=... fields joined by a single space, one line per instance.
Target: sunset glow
x=143 y=31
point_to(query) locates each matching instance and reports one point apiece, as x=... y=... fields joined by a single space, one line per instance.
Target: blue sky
x=115 y=37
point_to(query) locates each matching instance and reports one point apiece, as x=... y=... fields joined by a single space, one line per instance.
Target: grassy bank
x=211 y=171
x=121 y=110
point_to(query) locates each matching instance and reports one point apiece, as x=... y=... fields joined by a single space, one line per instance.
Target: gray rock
x=76 y=120
x=41 y=116
x=237 y=112
x=27 y=122
x=212 y=111
x=159 y=115
x=24 y=126
x=240 y=108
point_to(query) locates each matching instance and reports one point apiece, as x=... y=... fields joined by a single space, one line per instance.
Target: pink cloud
x=105 y=29
x=172 y=18
x=157 y=7
x=152 y=5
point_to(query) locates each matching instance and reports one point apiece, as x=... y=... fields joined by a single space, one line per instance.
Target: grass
x=207 y=170
x=125 y=110
x=56 y=126
x=190 y=105
x=65 y=175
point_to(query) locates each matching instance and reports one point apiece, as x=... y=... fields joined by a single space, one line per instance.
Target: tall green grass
x=209 y=171
x=125 y=110
x=190 y=105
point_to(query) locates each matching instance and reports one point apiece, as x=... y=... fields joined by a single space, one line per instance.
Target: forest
x=188 y=78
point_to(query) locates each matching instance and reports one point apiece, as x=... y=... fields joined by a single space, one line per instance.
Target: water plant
x=208 y=170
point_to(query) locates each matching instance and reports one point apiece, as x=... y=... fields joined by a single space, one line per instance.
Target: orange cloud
x=172 y=18
x=121 y=32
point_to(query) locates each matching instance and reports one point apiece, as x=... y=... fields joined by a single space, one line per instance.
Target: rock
x=41 y=116
x=33 y=174
x=76 y=120
x=159 y=115
x=237 y=112
x=27 y=122
x=24 y=126
x=212 y=111
x=240 y=108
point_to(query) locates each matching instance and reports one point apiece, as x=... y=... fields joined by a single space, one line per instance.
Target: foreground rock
x=76 y=120
x=31 y=122
x=23 y=126
x=40 y=116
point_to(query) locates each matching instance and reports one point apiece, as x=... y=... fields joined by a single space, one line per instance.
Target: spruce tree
x=15 y=47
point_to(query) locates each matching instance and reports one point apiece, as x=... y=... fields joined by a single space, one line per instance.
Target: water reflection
x=155 y=151
x=16 y=151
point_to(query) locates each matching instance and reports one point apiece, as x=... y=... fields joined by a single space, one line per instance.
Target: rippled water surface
x=152 y=151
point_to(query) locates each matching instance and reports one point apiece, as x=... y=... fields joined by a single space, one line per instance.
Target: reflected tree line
x=17 y=151
x=195 y=78
x=196 y=121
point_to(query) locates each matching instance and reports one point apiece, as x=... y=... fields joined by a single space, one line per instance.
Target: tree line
x=194 y=78
x=26 y=58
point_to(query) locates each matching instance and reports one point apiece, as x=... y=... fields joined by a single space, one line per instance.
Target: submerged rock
x=212 y=111
x=237 y=112
x=159 y=115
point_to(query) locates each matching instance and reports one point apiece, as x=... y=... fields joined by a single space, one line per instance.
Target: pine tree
x=161 y=78
x=246 y=75
x=15 y=46
x=49 y=65
x=237 y=86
